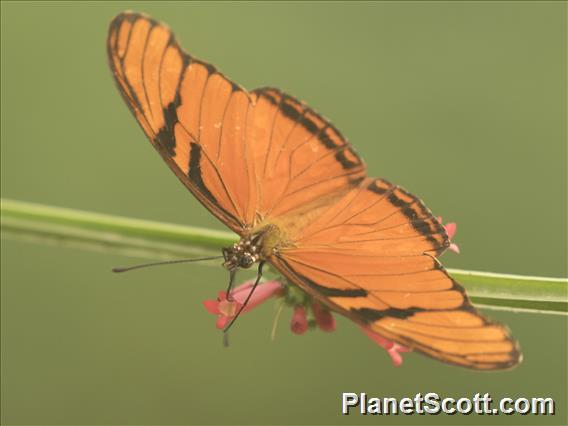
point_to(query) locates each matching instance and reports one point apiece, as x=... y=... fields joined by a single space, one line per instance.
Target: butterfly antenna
x=258 y=277
x=166 y=262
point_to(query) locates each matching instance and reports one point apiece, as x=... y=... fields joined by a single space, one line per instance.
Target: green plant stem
x=155 y=240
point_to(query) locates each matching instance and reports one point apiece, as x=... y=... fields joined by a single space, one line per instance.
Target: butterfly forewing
x=187 y=109
x=301 y=160
x=246 y=157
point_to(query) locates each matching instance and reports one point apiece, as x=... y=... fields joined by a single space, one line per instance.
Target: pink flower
x=227 y=309
x=324 y=318
x=393 y=349
x=299 y=323
x=451 y=229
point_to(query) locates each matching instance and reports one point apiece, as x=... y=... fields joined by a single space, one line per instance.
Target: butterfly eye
x=246 y=261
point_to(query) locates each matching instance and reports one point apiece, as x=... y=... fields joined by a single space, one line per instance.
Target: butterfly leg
x=232 y=275
x=258 y=277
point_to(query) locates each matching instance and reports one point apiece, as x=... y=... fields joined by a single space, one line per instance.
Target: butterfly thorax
x=257 y=246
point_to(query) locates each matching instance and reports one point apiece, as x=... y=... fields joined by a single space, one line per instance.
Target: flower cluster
x=451 y=229
x=308 y=313
x=226 y=309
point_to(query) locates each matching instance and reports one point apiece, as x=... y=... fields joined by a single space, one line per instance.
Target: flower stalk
x=154 y=240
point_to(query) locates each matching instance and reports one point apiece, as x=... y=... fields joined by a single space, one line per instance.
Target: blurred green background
x=464 y=104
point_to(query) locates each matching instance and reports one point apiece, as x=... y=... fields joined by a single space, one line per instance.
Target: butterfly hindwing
x=372 y=257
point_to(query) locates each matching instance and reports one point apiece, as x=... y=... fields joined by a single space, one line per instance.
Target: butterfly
x=296 y=192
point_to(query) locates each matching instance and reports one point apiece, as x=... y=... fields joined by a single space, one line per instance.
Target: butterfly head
x=252 y=248
x=243 y=254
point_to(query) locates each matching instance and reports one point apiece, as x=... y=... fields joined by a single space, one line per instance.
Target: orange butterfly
x=285 y=179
